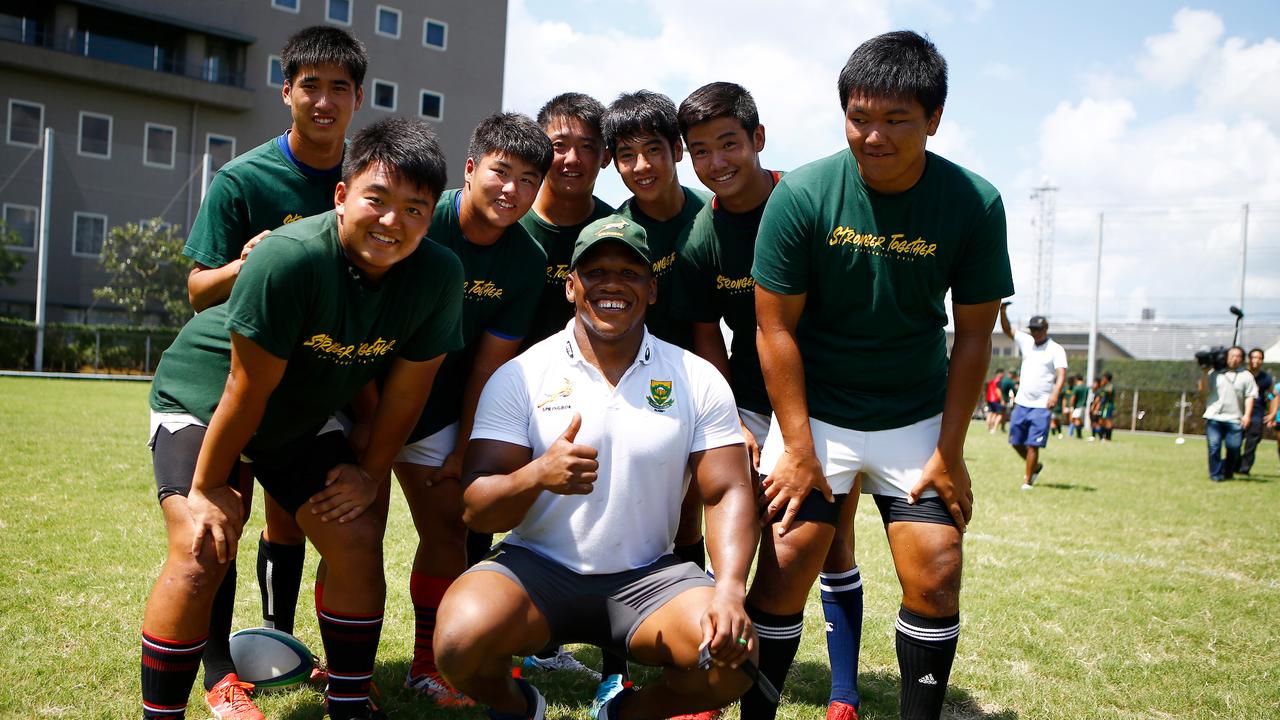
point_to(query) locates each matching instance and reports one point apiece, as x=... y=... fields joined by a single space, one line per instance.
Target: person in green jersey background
x=855 y=256
x=643 y=134
x=1079 y=405
x=566 y=202
x=1106 y=407
x=321 y=307
x=721 y=128
x=503 y=267
x=287 y=178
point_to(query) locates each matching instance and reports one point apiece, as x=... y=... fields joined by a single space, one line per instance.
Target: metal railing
x=148 y=56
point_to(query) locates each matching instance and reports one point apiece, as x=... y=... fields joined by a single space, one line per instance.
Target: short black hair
x=1258 y=350
x=572 y=105
x=513 y=134
x=901 y=65
x=640 y=113
x=1107 y=375
x=717 y=100
x=407 y=149
x=999 y=370
x=324 y=45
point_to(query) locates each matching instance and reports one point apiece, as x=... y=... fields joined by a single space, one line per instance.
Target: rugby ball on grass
x=270 y=659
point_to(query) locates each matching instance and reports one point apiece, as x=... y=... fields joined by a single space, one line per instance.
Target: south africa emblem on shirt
x=660 y=397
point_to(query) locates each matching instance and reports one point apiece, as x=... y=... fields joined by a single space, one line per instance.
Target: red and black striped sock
x=168 y=671
x=426 y=592
x=350 y=646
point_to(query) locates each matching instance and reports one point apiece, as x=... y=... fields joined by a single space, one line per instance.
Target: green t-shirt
x=500 y=289
x=876 y=269
x=665 y=239
x=1008 y=388
x=259 y=190
x=1079 y=396
x=713 y=282
x=300 y=299
x=1108 y=395
x=553 y=311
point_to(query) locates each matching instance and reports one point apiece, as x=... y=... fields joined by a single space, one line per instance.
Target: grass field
x=1125 y=585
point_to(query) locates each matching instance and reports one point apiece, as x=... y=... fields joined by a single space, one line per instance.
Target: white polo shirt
x=1039 y=366
x=668 y=404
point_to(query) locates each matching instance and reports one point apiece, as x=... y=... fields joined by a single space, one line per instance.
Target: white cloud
x=1174 y=58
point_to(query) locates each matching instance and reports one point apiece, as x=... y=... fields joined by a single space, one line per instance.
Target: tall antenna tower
x=1045 y=199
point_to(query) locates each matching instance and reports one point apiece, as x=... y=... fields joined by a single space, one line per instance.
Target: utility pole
x=1045 y=199
x=1244 y=257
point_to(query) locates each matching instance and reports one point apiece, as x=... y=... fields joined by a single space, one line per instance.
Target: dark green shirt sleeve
x=269 y=301
x=782 y=262
x=982 y=273
x=221 y=226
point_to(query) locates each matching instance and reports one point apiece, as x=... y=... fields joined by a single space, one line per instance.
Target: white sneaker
x=562 y=660
x=1027 y=486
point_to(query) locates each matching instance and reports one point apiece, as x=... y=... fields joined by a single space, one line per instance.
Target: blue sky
x=1163 y=116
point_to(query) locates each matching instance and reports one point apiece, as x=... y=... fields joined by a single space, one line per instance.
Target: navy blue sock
x=842 y=608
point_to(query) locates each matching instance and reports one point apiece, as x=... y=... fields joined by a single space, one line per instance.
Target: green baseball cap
x=613 y=228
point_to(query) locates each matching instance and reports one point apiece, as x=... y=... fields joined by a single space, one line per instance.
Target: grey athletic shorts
x=601 y=610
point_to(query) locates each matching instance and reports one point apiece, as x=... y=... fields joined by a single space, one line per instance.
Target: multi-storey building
x=137 y=91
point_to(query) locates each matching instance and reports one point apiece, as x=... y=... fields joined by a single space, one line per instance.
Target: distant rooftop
x=1158 y=340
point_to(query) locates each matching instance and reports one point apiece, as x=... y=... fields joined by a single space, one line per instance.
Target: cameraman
x=1260 y=419
x=1232 y=394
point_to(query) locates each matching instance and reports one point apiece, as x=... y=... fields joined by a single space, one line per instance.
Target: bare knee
x=934 y=589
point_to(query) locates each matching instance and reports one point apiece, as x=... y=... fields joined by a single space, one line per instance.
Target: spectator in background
x=995 y=401
x=1079 y=399
x=1228 y=410
x=1106 y=407
x=1008 y=388
x=1260 y=418
x=1044 y=364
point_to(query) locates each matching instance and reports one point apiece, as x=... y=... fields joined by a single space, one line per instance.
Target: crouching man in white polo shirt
x=580 y=450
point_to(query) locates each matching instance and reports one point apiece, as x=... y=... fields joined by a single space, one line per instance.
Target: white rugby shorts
x=891 y=461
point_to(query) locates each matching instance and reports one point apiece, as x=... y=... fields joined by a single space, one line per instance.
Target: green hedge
x=75 y=347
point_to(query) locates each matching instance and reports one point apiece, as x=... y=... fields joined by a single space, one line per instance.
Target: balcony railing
x=86 y=43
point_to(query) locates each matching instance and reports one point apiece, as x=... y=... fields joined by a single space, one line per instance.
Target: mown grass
x=1125 y=585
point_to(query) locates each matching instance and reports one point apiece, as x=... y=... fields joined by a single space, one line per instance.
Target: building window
x=384 y=95
x=90 y=232
x=95 y=135
x=158 y=144
x=286 y=5
x=26 y=123
x=20 y=220
x=275 y=71
x=435 y=34
x=387 y=22
x=431 y=106
x=221 y=149
x=338 y=11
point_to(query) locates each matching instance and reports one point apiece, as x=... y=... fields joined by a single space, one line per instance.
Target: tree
x=10 y=262
x=146 y=270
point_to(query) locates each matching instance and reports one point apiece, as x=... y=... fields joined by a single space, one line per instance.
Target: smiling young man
x=583 y=449
x=855 y=255
x=721 y=127
x=503 y=275
x=321 y=307
x=287 y=178
x=566 y=202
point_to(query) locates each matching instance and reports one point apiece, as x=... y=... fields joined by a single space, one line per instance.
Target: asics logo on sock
x=927 y=680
